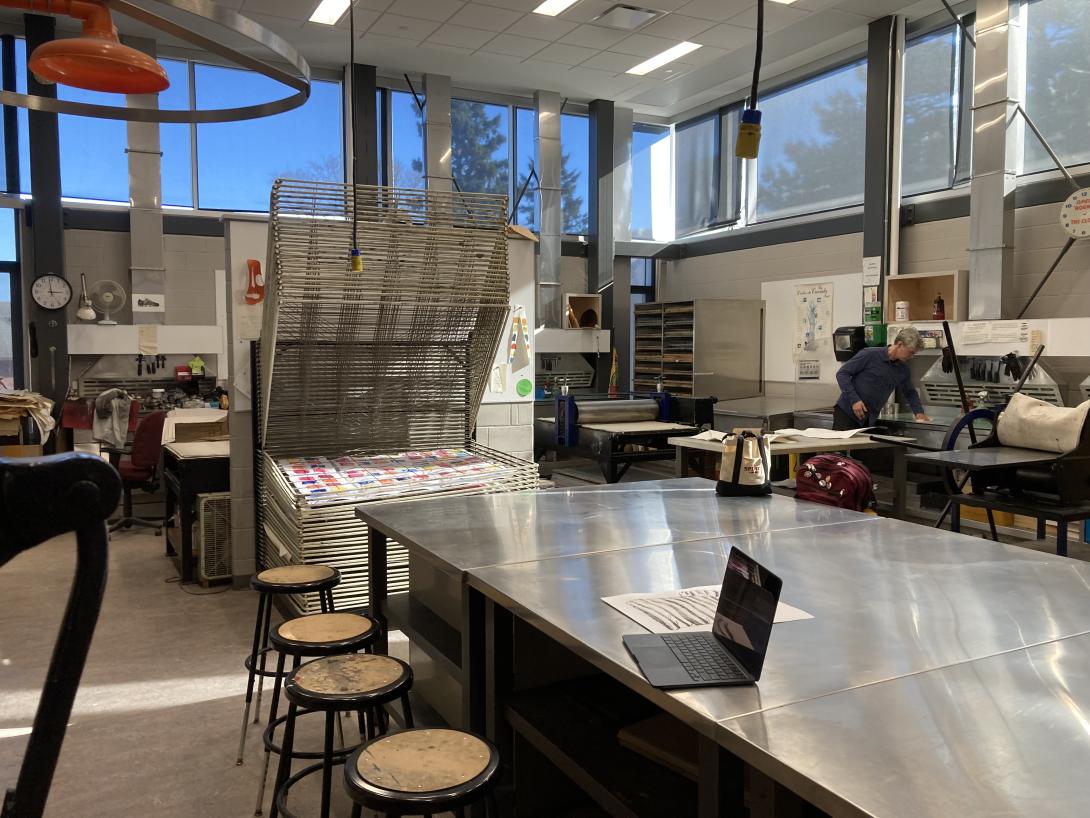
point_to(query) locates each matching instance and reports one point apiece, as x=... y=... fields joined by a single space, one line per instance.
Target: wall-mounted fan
x=107 y=297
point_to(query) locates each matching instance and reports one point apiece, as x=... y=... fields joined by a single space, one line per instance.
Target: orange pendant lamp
x=95 y=60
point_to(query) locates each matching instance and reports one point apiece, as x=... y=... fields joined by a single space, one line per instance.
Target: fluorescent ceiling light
x=554 y=7
x=329 y=12
x=659 y=60
x=784 y=2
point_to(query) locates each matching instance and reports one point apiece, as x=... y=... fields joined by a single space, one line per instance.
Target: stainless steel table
x=685 y=446
x=1004 y=735
x=767 y=412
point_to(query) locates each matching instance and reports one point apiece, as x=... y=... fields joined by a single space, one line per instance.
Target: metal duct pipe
x=437 y=132
x=547 y=104
x=998 y=89
x=147 y=282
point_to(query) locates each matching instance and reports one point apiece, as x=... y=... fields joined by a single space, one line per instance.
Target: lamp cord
x=759 y=52
x=352 y=116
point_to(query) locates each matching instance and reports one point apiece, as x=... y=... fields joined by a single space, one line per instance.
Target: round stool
x=360 y=682
x=421 y=772
x=323 y=634
x=287 y=579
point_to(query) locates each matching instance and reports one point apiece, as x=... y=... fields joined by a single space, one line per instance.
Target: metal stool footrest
x=272 y=746
x=282 y=793
x=270 y=674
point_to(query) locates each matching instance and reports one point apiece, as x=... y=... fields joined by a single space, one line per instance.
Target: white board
x=780 y=306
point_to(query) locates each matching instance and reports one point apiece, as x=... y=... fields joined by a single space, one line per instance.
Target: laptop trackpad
x=657 y=657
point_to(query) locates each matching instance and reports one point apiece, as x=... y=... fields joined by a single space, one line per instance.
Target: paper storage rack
x=358 y=366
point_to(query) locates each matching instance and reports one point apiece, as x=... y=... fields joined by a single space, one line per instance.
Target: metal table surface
x=888 y=600
x=461 y=533
x=765 y=406
x=1004 y=735
x=992 y=457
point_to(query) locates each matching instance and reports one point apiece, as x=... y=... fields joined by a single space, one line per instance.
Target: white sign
x=1075 y=214
x=148 y=302
x=813 y=317
x=872 y=271
x=809 y=370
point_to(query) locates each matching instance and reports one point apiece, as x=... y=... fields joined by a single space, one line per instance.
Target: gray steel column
x=49 y=370
x=365 y=134
x=997 y=152
x=437 y=132
x=600 y=190
x=882 y=175
x=148 y=271
x=547 y=105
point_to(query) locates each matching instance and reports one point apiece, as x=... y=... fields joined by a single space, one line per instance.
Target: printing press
x=618 y=431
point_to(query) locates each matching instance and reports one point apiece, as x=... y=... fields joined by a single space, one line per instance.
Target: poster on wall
x=813 y=318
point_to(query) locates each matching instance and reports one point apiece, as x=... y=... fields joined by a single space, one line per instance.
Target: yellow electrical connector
x=357 y=260
x=749 y=135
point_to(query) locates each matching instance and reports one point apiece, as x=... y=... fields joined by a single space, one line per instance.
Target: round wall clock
x=1075 y=214
x=51 y=292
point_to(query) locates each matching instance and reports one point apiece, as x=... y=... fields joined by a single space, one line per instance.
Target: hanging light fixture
x=96 y=60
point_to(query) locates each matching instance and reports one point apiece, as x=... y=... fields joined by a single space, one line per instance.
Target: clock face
x=1075 y=214
x=51 y=292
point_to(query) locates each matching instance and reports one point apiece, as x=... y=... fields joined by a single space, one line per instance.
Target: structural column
x=882 y=176
x=49 y=368
x=549 y=216
x=437 y=132
x=997 y=152
x=365 y=136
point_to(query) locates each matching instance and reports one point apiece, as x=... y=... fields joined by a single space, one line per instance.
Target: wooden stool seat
x=354 y=674
x=325 y=627
x=295 y=574
x=423 y=760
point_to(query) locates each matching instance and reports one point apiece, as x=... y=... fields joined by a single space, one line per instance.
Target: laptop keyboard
x=703 y=658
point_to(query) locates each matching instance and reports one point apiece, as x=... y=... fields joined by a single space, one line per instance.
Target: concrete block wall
x=190 y=263
x=507 y=427
x=243 y=558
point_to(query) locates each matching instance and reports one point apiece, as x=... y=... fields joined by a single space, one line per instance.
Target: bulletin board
x=781 y=311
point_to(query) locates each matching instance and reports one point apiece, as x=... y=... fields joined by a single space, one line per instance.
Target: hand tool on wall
x=139 y=364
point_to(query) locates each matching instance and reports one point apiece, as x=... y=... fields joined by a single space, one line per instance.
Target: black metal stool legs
x=283 y=769
x=272 y=720
x=263 y=601
x=327 y=760
x=263 y=654
x=407 y=710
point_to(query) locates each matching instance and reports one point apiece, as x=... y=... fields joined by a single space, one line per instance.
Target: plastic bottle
x=938 y=309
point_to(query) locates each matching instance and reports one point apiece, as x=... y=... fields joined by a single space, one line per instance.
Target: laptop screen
x=747 y=606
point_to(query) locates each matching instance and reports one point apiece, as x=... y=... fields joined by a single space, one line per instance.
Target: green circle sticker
x=524 y=387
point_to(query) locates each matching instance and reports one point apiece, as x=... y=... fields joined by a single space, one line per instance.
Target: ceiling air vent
x=626 y=18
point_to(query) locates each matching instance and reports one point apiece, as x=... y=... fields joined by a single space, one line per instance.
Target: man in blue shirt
x=869 y=378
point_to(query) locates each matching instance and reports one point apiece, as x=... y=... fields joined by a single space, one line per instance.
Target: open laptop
x=733 y=651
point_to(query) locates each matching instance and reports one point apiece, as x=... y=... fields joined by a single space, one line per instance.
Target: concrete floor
x=155 y=727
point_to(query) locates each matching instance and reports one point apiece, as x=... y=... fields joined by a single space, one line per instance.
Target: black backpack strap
x=738 y=447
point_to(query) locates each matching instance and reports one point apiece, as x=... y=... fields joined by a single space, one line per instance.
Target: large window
x=525 y=162
x=574 y=170
x=697 y=157
x=237 y=162
x=480 y=159
x=9 y=295
x=813 y=142
x=930 y=89
x=1058 y=81
x=406 y=141
x=175 y=139
x=652 y=217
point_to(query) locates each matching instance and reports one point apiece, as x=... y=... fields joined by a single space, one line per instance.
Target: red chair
x=141 y=470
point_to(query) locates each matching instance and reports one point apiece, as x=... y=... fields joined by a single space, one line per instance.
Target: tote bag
x=744 y=471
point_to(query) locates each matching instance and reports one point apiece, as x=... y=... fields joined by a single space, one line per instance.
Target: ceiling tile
x=427 y=9
x=374 y=5
x=514 y=5
x=676 y=27
x=408 y=28
x=542 y=27
x=364 y=19
x=291 y=9
x=776 y=17
x=286 y=28
x=472 y=38
x=595 y=37
x=515 y=46
x=642 y=45
x=586 y=10
x=662 y=5
x=717 y=10
x=728 y=37
x=487 y=18
x=703 y=55
x=565 y=54
x=447 y=49
x=611 y=61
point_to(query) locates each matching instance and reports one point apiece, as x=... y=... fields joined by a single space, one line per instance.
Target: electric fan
x=107 y=297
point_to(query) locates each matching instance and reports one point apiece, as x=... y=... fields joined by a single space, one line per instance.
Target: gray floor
x=156 y=723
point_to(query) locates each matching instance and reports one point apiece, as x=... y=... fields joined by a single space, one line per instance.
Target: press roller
x=616 y=411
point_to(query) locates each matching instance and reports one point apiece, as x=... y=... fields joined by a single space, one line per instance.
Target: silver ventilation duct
x=549 y=219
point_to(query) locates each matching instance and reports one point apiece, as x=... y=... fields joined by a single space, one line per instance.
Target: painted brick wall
x=507 y=427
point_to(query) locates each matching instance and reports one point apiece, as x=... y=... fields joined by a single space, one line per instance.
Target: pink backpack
x=835 y=480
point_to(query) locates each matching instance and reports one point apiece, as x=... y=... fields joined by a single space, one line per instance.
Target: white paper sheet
x=684 y=610
x=818 y=434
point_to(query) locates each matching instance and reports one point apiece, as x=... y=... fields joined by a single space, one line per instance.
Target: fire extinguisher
x=255 y=288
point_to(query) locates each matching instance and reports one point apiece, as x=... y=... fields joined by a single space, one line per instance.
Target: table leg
x=499 y=682
x=900 y=481
x=473 y=660
x=681 y=462
x=1041 y=528
x=1061 y=537
x=376 y=583
x=955 y=516
x=720 y=788
x=170 y=504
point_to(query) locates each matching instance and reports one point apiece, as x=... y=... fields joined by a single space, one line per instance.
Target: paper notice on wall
x=872 y=271
x=248 y=322
x=147 y=339
x=974 y=333
x=497 y=383
x=813 y=318
x=684 y=610
x=809 y=370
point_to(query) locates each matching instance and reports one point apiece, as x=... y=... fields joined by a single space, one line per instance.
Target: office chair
x=40 y=498
x=141 y=470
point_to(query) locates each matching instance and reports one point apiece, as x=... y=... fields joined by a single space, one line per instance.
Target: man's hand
x=860 y=409
x=922 y=416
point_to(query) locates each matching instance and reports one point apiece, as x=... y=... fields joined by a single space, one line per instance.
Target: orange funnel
x=95 y=60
